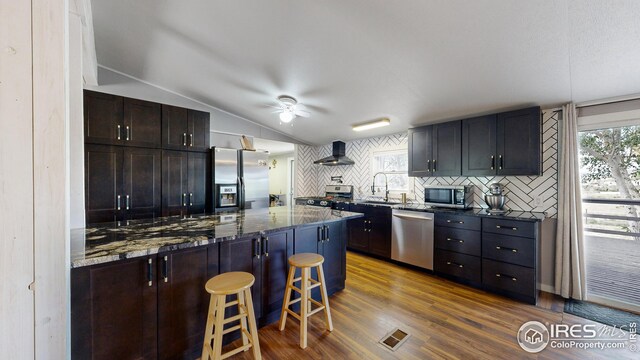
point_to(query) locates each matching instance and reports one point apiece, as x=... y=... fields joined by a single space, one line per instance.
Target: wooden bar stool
x=231 y=283
x=305 y=262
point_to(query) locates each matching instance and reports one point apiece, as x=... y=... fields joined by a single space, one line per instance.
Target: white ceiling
x=351 y=61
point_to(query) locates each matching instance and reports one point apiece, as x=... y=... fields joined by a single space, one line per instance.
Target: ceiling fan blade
x=303 y=113
x=276 y=111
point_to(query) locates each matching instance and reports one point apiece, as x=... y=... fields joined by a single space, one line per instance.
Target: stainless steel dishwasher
x=412 y=238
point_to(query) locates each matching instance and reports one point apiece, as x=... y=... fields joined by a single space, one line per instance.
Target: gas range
x=333 y=193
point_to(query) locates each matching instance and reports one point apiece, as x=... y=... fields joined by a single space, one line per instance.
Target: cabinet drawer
x=509 y=227
x=508 y=277
x=459 y=240
x=458 y=221
x=460 y=265
x=511 y=249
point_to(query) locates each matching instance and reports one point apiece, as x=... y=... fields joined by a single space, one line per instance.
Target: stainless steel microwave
x=453 y=196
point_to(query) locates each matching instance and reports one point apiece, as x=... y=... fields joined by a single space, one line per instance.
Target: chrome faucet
x=386 y=186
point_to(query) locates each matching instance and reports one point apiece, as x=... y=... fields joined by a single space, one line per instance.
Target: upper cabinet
x=434 y=150
x=184 y=129
x=498 y=144
x=142 y=123
x=103 y=118
x=502 y=144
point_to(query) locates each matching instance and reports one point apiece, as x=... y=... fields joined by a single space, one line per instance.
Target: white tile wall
x=526 y=193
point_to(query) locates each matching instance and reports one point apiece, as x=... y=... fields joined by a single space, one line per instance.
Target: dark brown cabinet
x=371 y=234
x=121 y=183
x=434 y=150
x=244 y=254
x=184 y=129
x=184 y=183
x=508 y=143
x=457 y=242
x=183 y=302
x=114 y=310
x=276 y=249
x=116 y=120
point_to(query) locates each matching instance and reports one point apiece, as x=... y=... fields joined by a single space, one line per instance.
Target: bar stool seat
x=231 y=283
x=305 y=261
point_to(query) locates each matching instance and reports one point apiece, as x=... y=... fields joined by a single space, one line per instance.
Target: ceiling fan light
x=371 y=125
x=286 y=116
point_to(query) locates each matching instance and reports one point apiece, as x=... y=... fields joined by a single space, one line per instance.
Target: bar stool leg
x=219 y=326
x=287 y=297
x=303 y=307
x=208 y=332
x=255 y=343
x=325 y=299
x=243 y=320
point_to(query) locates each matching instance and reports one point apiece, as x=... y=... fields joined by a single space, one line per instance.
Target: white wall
x=278 y=175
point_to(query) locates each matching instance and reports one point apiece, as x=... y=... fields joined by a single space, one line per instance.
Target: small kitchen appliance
x=495 y=199
x=449 y=196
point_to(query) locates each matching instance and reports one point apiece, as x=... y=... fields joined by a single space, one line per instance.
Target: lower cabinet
x=371 y=234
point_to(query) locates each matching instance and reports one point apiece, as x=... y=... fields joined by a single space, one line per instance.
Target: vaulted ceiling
x=351 y=61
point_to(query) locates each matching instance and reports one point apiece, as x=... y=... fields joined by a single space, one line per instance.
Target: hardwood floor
x=445 y=320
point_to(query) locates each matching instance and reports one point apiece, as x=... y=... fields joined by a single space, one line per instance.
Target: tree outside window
x=393 y=163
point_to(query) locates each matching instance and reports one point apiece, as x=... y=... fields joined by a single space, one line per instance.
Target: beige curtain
x=570 y=265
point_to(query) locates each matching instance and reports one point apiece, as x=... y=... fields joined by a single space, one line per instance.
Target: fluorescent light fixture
x=286 y=116
x=372 y=125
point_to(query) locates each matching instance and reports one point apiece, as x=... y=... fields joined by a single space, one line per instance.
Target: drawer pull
x=460 y=241
x=506 y=227
x=506 y=249
x=454 y=264
x=506 y=276
x=457 y=222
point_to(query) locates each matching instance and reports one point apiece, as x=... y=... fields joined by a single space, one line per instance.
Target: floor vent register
x=394 y=339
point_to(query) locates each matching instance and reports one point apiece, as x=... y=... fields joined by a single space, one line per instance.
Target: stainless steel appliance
x=337 y=157
x=412 y=238
x=332 y=193
x=495 y=198
x=241 y=179
x=449 y=196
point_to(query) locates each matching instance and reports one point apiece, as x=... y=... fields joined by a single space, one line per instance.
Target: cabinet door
x=277 y=247
x=175 y=127
x=174 y=183
x=335 y=256
x=199 y=130
x=114 y=310
x=198 y=184
x=307 y=239
x=142 y=123
x=518 y=146
x=244 y=254
x=380 y=234
x=447 y=147
x=479 y=146
x=183 y=302
x=141 y=193
x=102 y=118
x=358 y=234
x=420 y=151
x=103 y=183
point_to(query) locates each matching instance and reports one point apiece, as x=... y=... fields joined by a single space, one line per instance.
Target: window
x=394 y=164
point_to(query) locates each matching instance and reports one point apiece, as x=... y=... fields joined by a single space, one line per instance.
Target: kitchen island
x=137 y=289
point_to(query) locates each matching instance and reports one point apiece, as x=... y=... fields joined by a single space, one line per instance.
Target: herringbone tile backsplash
x=525 y=193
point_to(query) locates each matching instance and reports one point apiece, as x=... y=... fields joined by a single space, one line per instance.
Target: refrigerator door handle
x=241 y=193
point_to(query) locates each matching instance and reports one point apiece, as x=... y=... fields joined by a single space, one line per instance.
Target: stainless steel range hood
x=337 y=156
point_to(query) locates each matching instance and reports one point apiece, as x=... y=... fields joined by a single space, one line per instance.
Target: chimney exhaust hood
x=337 y=156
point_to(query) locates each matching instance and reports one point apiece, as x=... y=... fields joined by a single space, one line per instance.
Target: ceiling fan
x=289 y=108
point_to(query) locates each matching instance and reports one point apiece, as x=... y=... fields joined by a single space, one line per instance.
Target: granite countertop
x=108 y=242
x=509 y=214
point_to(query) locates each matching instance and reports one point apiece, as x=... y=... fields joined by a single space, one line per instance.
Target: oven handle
x=412 y=217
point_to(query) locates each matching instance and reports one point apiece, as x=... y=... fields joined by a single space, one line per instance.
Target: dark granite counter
x=111 y=242
x=509 y=214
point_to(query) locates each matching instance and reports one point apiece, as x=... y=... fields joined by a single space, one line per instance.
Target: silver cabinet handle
x=501 y=162
x=190 y=139
x=126 y=202
x=506 y=227
x=150 y=272
x=434 y=165
x=165 y=269
x=507 y=276
x=493 y=162
x=118 y=134
x=428 y=165
x=184 y=199
x=506 y=249
x=190 y=199
x=457 y=222
x=127 y=132
x=460 y=241
x=454 y=264
x=118 y=206
x=326 y=233
x=184 y=139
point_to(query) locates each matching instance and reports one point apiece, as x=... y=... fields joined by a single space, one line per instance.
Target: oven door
x=439 y=196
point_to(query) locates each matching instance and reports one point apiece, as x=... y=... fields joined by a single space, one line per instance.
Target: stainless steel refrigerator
x=240 y=179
